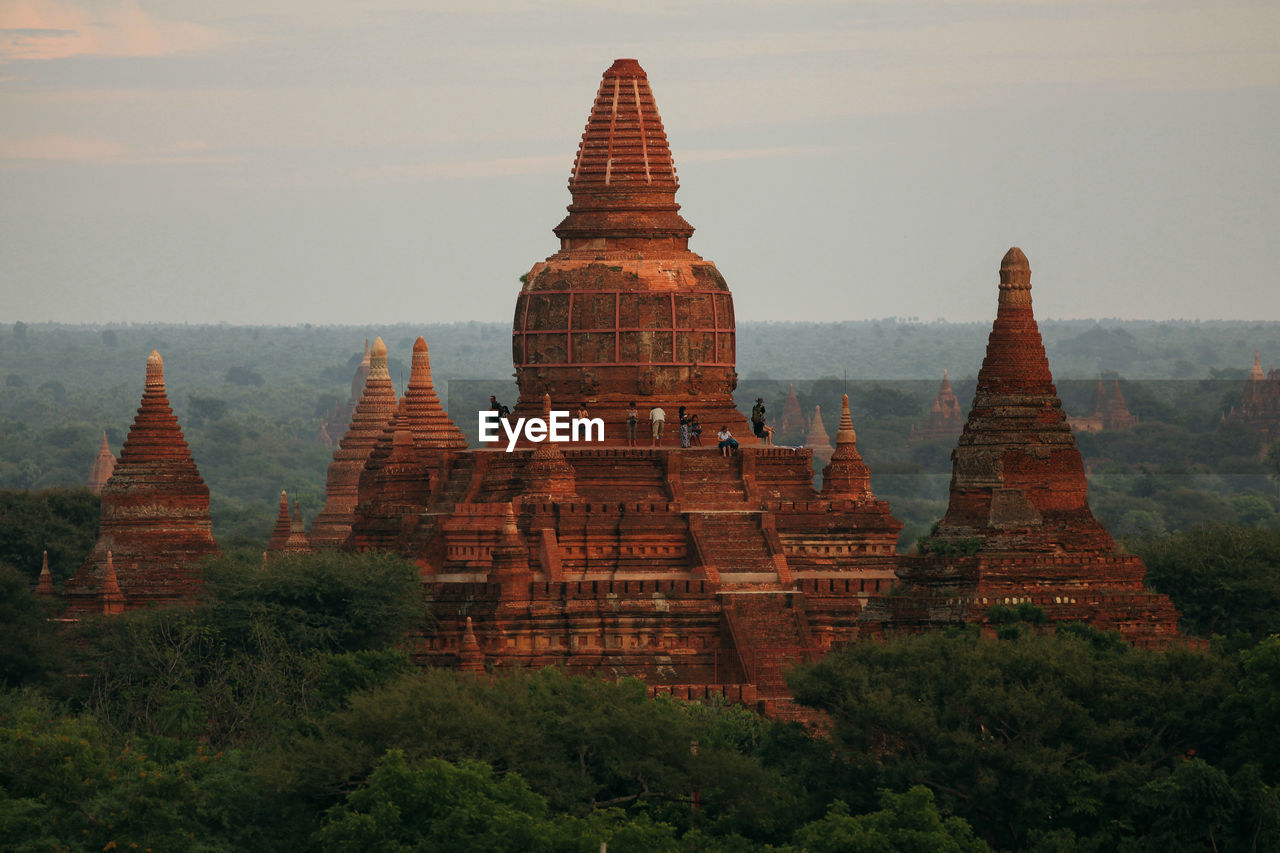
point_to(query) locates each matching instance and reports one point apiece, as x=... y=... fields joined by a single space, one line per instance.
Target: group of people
x=690 y=427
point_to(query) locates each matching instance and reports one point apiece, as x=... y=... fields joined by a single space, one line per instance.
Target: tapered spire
x=470 y=655
x=846 y=476
x=155 y=511
x=401 y=436
x=791 y=426
x=297 y=542
x=44 y=586
x=280 y=533
x=624 y=180
x=113 y=601
x=1018 y=482
x=104 y=464
x=548 y=474
x=1016 y=360
x=818 y=439
x=376 y=407
x=431 y=425
x=509 y=564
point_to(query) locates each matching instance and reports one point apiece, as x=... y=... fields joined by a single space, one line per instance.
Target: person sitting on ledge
x=728 y=443
x=695 y=431
x=764 y=431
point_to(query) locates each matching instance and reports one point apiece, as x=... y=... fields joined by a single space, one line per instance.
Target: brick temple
x=699 y=572
x=155 y=525
x=1018 y=528
x=945 y=420
x=1260 y=403
x=1109 y=413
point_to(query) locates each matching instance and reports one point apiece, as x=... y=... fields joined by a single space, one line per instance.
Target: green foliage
x=967 y=547
x=62 y=521
x=241 y=375
x=905 y=823
x=1025 y=612
x=30 y=650
x=1225 y=580
x=1273 y=464
x=438 y=806
x=582 y=743
x=466 y=807
x=1258 y=707
x=67 y=781
x=268 y=646
x=1022 y=738
x=331 y=601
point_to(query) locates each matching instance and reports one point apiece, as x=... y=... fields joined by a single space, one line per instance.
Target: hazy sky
x=251 y=161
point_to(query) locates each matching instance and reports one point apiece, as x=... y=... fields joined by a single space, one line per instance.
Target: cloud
x=458 y=169
x=716 y=155
x=69 y=148
x=60 y=29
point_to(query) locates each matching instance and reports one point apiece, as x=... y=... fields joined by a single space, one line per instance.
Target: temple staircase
x=709 y=480
x=735 y=544
x=770 y=634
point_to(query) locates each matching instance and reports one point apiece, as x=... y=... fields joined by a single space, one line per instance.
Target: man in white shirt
x=657 y=420
x=728 y=443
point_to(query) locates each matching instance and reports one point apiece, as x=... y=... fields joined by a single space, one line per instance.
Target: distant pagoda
x=1018 y=528
x=1260 y=403
x=945 y=419
x=336 y=421
x=818 y=438
x=104 y=464
x=1110 y=412
x=155 y=525
x=377 y=403
x=791 y=427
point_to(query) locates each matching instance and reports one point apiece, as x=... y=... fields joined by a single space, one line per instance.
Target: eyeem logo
x=560 y=427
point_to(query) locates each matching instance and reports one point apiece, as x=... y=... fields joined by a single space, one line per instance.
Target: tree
x=581 y=743
x=63 y=522
x=1023 y=738
x=905 y=823
x=70 y=784
x=1257 y=707
x=244 y=376
x=264 y=649
x=205 y=409
x=30 y=650
x=1272 y=460
x=331 y=601
x=1224 y=579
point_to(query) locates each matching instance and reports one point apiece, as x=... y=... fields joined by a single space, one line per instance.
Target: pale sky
x=250 y=161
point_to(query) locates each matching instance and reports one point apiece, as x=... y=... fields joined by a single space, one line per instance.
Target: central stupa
x=624 y=312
